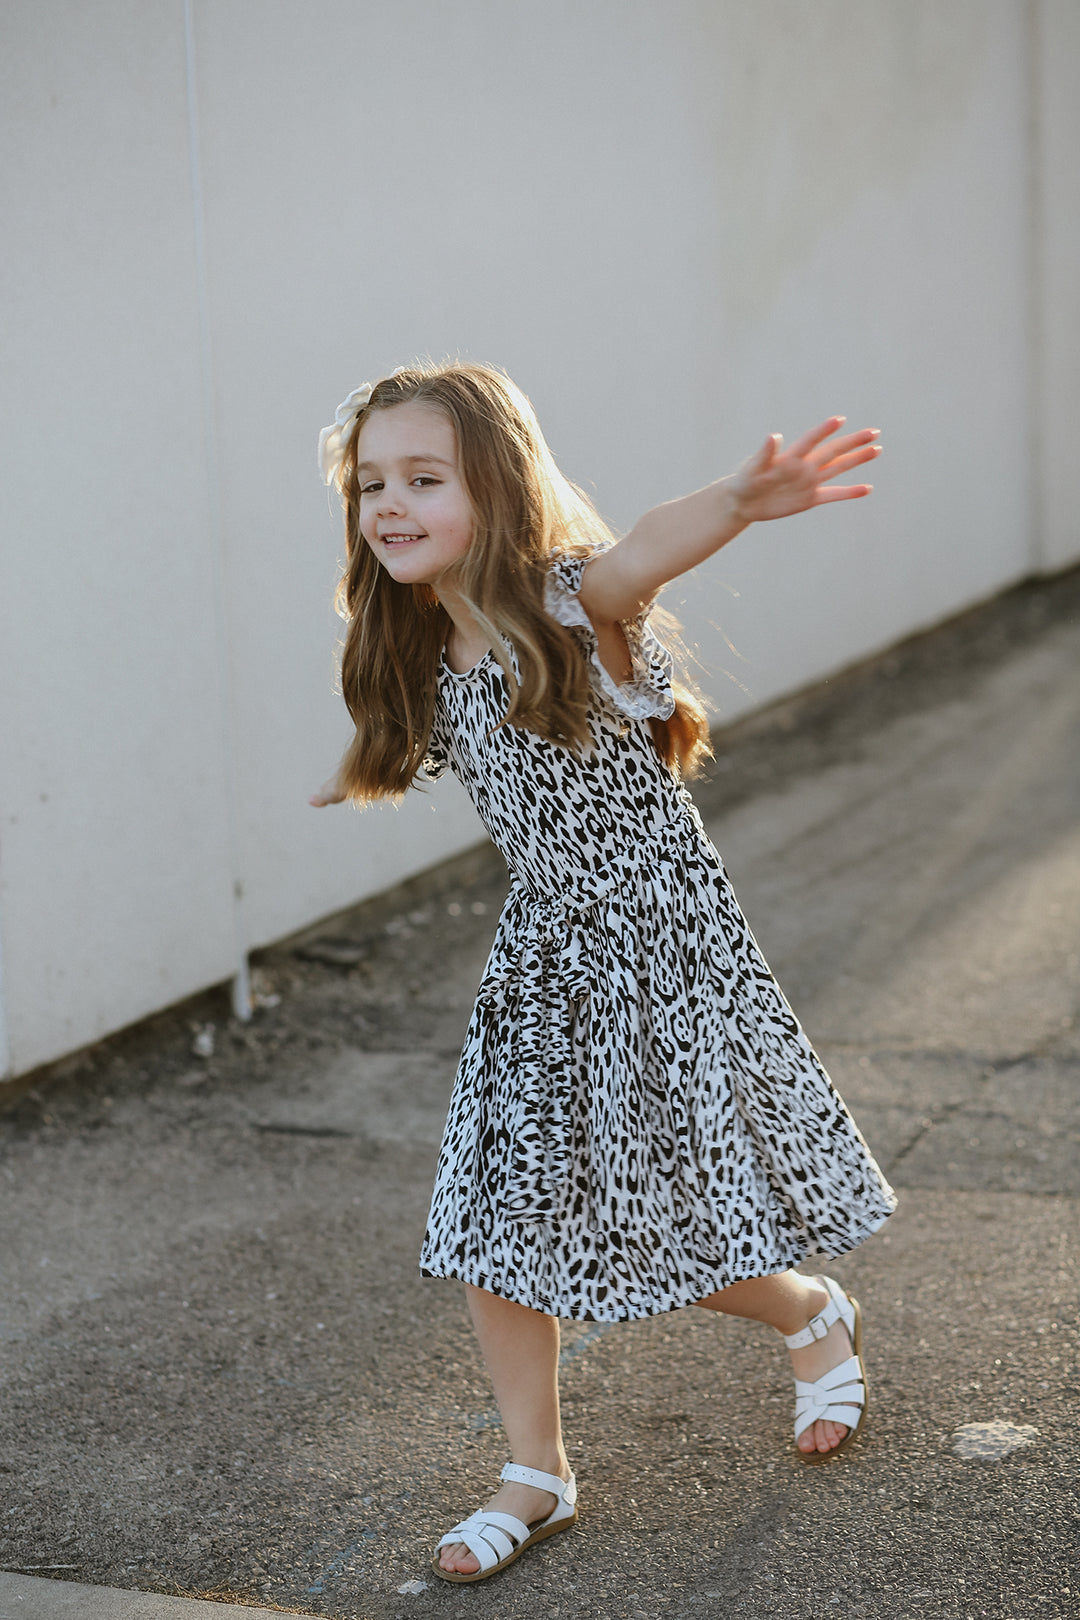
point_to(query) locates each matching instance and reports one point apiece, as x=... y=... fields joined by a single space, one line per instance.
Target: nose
x=391 y=500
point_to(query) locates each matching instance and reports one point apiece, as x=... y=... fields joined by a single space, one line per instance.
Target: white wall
x=115 y=864
x=678 y=226
x=1055 y=248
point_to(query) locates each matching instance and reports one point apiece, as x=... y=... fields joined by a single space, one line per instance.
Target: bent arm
x=673 y=538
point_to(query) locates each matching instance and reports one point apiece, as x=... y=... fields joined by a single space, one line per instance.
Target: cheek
x=370 y=544
x=463 y=528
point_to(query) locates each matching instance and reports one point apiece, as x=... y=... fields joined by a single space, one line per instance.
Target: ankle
x=814 y=1300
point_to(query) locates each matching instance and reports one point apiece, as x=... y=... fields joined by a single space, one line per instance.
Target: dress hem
x=692 y=1290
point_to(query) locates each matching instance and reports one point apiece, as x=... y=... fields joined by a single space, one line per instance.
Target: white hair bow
x=332 y=439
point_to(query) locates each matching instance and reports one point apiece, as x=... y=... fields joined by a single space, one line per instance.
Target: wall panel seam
x=218 y=562
x=5 y=1044
x=1035 y=226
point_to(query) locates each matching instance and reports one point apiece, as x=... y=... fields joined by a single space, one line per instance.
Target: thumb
x=762 y=459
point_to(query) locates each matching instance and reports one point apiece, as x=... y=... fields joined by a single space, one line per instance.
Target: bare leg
x=787 y=1302
x=521 y=1350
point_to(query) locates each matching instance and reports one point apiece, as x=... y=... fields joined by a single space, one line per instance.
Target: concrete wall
x=678 y=226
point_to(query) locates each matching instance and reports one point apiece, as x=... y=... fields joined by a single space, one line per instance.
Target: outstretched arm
x=675 y=537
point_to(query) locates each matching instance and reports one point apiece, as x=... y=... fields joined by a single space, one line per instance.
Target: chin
x=404 y=575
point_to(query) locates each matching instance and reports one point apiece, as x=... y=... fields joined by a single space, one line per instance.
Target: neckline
x=463 y=674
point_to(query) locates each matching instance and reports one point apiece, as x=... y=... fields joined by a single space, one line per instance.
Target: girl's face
x=414 y=511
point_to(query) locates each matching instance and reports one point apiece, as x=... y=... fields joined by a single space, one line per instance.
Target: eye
x=371 y=487
x=424 y=479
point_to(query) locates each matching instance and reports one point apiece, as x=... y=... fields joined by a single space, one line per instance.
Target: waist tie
x=546 y=969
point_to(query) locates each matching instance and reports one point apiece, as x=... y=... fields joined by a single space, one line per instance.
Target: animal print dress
x=638 y=1119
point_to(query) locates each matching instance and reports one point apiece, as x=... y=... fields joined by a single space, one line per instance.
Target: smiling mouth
x=399 y=539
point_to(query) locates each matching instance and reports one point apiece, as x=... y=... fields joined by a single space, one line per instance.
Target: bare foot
x=523 y=1501
x=813 y=1362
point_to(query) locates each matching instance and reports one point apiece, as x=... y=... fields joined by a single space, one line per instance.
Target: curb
x=26 y=1597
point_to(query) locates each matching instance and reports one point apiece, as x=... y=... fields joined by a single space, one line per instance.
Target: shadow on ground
x=223 y=1375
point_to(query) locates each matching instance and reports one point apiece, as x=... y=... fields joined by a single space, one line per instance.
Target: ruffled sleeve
x=647 y=692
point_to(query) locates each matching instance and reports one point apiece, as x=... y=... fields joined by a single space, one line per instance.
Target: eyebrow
x=370 y=466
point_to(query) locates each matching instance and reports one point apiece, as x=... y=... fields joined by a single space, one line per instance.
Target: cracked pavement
x=223 y=1377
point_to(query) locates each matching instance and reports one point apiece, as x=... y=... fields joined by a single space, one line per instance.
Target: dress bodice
x=557 y=813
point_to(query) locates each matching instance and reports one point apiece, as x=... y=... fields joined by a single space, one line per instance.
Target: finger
x=843 y=464
x=826 y=452
x=768 y=452
x=842 y=492
x=811 y=440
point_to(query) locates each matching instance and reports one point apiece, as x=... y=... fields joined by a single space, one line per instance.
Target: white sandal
x=840 y=1395
x=496 y=1539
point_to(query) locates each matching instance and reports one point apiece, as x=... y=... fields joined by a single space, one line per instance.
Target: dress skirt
x=638 y=1119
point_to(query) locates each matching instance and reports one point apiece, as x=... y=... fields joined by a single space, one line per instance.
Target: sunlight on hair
x=526 y=514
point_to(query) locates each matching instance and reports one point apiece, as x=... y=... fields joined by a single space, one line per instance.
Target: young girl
x=638 y=1122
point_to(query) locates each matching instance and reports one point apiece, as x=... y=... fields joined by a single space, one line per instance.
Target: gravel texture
x=223 y=1377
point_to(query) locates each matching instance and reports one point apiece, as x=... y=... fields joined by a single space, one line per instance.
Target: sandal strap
x=838 y=1308
x=839 y=1396
x=564 y=1489
x=849 y=1416
x=490 y=1537
x=830 y=1383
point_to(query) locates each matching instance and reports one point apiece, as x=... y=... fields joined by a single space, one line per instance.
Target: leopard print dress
x=638 y=1118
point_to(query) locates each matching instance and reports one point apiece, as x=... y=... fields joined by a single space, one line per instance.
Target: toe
x=458 y=1560
x=822 y=1437
x=829 y=1435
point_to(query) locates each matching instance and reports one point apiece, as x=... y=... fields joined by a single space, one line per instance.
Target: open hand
x=777 y=482
x=329 y=793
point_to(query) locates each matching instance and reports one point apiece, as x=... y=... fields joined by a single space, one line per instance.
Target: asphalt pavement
x=224 y=1382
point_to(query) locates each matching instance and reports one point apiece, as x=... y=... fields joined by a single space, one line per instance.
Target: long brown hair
x=524 y=511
